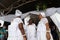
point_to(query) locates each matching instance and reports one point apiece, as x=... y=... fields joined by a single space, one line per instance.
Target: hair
x=34 y=18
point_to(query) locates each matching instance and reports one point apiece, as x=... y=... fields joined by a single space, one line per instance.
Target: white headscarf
x=43 y=14
x=26 y=20
x=2 y=23
x=18 y=13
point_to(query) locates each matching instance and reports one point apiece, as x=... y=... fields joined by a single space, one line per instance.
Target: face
x=40 y=16
x=30 y=21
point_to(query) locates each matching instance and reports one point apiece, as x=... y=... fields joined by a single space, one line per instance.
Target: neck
x=18 y=16
x=40 y=18
x=29 y=23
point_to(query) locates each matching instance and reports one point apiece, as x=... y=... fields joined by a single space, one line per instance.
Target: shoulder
x=33 y=24
x=18 y=20
x=45 y=20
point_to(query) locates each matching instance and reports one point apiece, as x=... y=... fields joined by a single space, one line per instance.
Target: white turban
x=18 y=13
x=2 y=23
x=26 y=20
x=43 y=14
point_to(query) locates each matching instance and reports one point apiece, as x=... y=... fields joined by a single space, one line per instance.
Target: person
x=43 y=30
x=15 y=29
x=26 y=19
x=2 y=31
x=53 y=31
x=31 y=30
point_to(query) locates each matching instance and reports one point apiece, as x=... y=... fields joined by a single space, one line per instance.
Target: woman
x=31 y=30
x=16 y=30
x=43 y=30
x=2 y=30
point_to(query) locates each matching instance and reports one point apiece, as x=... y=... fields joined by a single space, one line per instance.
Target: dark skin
x=30 y=22
x=47 y=27
x=47 y=33
x=22 y=30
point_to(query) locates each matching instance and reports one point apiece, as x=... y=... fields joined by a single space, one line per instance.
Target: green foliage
x=44 y=6
x=37 y=7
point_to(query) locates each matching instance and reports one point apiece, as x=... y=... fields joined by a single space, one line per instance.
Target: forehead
x=39 y=15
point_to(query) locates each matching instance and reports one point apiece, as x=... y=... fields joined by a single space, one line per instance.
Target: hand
x=48 y=36
x=25 y=38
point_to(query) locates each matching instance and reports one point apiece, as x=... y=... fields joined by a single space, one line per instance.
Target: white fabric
x=18 y=13
x=57 y=16
x=56 y=19
x=58 y=10
x=25 y=28
x=43 y=14
x=2 y=23
x=40 y=12
x=34 y=12
x=31 y=32
x=13 y=30
x=26 y=20
x=9 y=17
x=41 y=29
x=44 y=20
x=50 y=11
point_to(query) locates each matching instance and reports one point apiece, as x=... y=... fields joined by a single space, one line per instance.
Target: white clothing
x=43 y=14
x=18 y=13
x=31 y=32
x=26 y=20
x=2 y=23
x=41 y=29
x=26 y=23
x=13 y=31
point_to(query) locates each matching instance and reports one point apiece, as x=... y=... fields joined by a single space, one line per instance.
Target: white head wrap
x=2 y=23
x=43 y=14
x=26 y=20
x=18 y=13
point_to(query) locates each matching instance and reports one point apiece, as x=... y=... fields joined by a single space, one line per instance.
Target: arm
x=48 y=31
x=22 y=31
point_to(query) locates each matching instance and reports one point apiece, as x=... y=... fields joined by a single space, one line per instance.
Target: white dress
x=41 y=30
x=31 y=32
x=13 y=31
x=26 y=23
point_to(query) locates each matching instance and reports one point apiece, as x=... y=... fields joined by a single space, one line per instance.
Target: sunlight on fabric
x=56 y=19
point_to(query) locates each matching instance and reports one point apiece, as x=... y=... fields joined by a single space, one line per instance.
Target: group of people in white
x=17 y=30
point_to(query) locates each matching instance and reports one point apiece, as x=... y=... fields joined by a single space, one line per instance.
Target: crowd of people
x=28 y=30
x=17 y=30
x=3 y=32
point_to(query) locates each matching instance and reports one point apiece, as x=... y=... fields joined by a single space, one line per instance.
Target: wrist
x=24 y=35
x=48 y=31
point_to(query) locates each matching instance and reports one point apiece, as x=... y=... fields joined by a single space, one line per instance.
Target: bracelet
x=48 y=31
x=24 y=35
